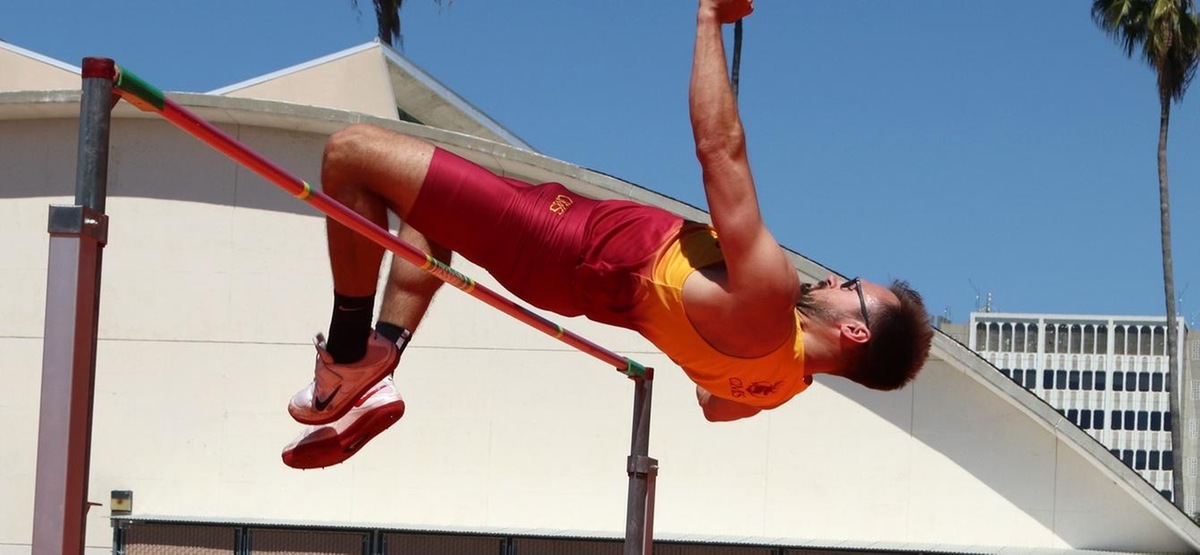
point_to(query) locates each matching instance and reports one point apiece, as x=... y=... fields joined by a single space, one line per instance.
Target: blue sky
x=971 y=148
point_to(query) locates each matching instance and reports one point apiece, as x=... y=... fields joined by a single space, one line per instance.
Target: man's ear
x=855 y=331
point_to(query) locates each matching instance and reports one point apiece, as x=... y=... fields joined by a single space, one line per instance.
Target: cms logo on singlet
x=739 y=389
x=560 y=204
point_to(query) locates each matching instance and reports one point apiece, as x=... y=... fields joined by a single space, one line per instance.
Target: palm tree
x=387 y=17
x=1166 y=33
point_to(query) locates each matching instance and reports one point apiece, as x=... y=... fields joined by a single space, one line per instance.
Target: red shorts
x=553 y=248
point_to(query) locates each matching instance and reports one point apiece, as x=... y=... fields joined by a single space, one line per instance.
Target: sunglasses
x=856 y=284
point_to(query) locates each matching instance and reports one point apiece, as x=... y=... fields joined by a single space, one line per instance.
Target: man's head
x=883 y=332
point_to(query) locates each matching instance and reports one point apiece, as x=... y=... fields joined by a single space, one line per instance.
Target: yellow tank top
x=766 y=381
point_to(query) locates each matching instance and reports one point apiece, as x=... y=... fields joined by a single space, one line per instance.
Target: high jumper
x=722 y=301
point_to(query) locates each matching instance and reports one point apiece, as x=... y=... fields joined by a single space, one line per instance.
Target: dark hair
x=900 y=338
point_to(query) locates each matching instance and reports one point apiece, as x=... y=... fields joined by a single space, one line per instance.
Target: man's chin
x=812 y=308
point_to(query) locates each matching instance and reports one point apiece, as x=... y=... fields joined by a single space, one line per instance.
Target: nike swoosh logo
x=320 y=404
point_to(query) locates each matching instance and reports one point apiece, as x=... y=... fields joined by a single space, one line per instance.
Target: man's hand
x=717 y=409
x=728 y=11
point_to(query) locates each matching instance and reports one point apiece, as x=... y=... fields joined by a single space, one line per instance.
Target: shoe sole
x=335 y=450
x=336 y=411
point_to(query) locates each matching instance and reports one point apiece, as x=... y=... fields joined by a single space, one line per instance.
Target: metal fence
x=137 y=536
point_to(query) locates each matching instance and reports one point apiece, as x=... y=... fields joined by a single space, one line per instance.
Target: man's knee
x=365 y=156
x=346 y=149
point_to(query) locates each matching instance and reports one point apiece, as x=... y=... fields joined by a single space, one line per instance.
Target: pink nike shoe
x=322 y=446
x=336 y=387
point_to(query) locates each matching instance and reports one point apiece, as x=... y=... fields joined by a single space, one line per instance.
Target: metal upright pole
x=639 y=513
x=77 y=236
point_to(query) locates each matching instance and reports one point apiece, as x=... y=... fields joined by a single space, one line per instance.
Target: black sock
x=396 y=334
x=349 y=328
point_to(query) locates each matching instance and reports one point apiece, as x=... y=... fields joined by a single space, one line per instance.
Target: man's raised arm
x=758 y=270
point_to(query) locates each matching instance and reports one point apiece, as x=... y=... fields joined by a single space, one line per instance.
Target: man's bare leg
x=370 y=171
x=406 y=297
x=409 y=290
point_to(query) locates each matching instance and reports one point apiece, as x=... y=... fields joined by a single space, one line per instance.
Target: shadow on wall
x=976 y=431
x=152 y=159
x=982 y=434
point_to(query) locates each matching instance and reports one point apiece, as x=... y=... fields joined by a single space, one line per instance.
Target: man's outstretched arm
x=758 y=270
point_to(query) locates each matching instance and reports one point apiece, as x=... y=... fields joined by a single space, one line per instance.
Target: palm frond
x=387 y=19
x=1166 y=32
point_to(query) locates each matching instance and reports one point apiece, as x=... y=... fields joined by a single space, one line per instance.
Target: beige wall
x=214 y=282
x=24 y=72
x=357 y=82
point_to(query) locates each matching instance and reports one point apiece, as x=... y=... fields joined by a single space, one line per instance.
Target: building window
x=1143 y=381
x=1031 y=339
x=1025 y=378
x=1063 y=344
x=1073 y=380
x=1143 y=420
x=1073 y=416
x=1098 y=419
x=1167 y=421
x=1061 y=379
x=1154 y=460
x=1145 y=336
x=1005 y=372
x=1129 y=420
x=1168 y=460
x=1116 y=420
x=1131 y=381
x=1118 y=381
x=1100 y=381
x=1156 y=421
x=1048 y=379
x=1127 y=457
x=1087 y=380
x=1139 y=461
x=1156 y=383
x=1085 y=419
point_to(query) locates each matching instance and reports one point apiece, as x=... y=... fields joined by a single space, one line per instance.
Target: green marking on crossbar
x=634 y=369
x=151 y=98
x=307 y=192
x=448 y=274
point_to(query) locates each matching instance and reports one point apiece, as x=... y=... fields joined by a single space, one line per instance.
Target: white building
x=214 y=281
x=1109 y=375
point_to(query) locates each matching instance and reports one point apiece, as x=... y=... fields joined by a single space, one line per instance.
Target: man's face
x=835 y=299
